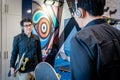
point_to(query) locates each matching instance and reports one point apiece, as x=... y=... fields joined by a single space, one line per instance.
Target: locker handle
x=0 y=53
x=5 y=8
x=4 y=54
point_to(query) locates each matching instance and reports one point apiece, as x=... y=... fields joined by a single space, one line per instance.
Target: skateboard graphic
x=64 y=69
x=20 y=65
x=44 y=71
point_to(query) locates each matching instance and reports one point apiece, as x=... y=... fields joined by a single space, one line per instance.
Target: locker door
x=11 y=17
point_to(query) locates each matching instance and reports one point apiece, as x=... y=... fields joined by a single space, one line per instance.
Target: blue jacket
x=30 y=46
x=93 y=52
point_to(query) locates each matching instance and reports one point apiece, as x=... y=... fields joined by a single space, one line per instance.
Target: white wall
x=113 y=4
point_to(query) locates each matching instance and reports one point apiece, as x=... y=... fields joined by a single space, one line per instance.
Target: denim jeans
x=26 y=76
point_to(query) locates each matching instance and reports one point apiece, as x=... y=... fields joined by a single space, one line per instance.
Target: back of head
x=93 y=7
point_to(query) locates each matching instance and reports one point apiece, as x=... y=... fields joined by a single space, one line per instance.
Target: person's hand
x=12 y=70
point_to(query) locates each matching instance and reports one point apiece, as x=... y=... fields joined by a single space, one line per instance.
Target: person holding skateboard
x=27 y=46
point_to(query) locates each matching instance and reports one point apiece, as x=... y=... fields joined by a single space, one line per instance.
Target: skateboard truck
x=24 y=63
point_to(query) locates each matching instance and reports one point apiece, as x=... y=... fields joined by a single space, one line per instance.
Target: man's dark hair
x=25 y=20
x=93 y=7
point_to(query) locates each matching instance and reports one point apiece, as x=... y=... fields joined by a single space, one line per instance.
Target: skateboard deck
x=20 y=65
x=44 y=71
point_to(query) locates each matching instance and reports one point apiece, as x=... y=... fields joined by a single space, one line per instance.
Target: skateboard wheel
x=26 y=59
x=23 y=68
x=59 y=76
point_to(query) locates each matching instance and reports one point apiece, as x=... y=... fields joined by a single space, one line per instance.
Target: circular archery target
x=44 y=28
x=45 y=22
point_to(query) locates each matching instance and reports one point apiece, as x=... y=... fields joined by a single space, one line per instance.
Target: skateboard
x=44 y=71
x=20 y=65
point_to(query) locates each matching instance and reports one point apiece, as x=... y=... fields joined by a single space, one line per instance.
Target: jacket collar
x=96 y=21
x=26 y=35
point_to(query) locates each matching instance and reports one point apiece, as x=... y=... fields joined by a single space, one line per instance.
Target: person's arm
x=81 y=60
x=14 y=54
